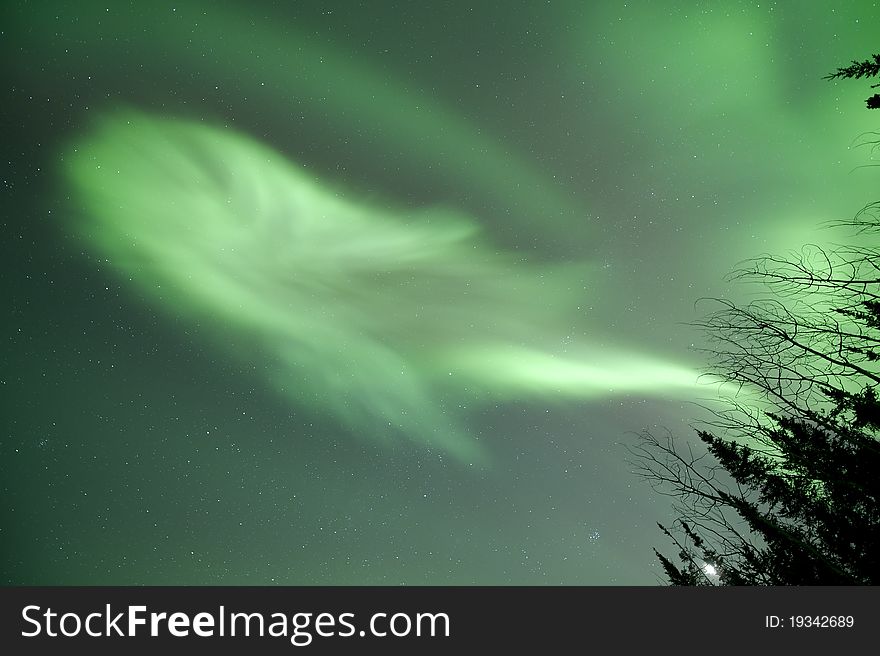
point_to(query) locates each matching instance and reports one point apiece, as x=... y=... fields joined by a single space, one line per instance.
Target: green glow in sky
x=299 y=73
x=371 y=315
x=359 y=245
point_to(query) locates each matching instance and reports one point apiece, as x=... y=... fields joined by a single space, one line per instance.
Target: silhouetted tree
x=786 y=488
x=858 y=70
x=787 y=491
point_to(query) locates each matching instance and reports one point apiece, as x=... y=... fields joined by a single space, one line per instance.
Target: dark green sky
x=149 y=431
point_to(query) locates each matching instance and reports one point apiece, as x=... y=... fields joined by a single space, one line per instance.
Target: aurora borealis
x=341 y=294
x=360 y=312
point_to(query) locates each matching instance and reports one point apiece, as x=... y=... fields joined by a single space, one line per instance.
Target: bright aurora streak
x=382 y=318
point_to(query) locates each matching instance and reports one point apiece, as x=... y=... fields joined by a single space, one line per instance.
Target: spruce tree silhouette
x=786 y=489
x=858 y=70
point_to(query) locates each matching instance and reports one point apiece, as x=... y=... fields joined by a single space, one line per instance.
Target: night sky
x=326 y=293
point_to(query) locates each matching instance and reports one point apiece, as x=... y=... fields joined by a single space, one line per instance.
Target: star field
x=654 y=145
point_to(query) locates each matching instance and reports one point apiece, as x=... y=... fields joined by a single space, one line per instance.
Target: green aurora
x=370 y=316
x=227 y=353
